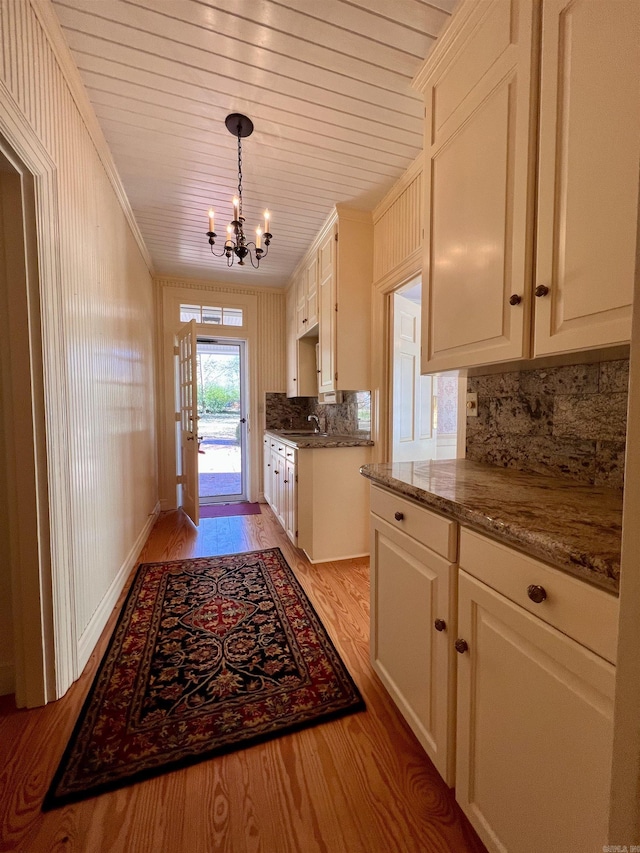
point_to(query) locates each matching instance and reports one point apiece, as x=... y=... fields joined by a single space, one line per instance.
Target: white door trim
x=46 y=649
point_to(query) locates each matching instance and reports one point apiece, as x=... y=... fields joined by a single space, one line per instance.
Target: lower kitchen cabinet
x=280 y=490
x=412 y=623
x=513 y=698
x=534 y=706
x=319 y=497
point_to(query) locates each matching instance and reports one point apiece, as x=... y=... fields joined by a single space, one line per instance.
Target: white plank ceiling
x=327 y=84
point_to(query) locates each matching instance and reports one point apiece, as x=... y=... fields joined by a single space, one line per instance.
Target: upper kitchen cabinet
x=302 y=380
x=340 y=264
x=307 y=298
x=504 y=71
x=352 y=279
x=588 y=174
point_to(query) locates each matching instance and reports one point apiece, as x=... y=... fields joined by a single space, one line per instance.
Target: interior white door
x=188 y=390
x=412 y=431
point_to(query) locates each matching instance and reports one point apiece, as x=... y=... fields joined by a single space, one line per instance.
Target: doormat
x=208 y=655
x=219 y=510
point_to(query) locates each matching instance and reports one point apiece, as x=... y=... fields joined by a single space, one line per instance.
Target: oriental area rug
x=208 y=655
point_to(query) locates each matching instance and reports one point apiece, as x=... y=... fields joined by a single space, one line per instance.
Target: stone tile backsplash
x=568 y=421
x=282 y=412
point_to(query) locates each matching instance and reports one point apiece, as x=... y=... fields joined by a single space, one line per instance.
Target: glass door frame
x=206 y=500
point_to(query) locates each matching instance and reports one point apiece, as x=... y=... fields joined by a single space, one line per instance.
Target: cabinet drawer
x=583 y=612
x=433 y=530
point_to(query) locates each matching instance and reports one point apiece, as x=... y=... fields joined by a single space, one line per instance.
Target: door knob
x=461 y=646
x=398 y=516
x=440 y=625
x=541 y=290
x=515 y=299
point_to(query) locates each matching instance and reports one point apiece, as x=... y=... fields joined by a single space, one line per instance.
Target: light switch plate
x=472 y=405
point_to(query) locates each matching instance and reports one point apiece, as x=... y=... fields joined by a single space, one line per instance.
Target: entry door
x=188 y=391
x=222 y=423
x=412 y=432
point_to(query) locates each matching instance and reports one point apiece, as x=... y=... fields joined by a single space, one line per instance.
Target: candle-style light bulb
x=267 y=216
x=258 y=237
x=211 y=219
x=229 y=233
x=236 y=207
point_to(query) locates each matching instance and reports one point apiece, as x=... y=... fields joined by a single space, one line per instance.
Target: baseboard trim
x=7 y=679
x=336 y=559
x=93 y=631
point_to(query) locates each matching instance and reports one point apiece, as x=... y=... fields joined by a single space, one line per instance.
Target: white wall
x=97 y=329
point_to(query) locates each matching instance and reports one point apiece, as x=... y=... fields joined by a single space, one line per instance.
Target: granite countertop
x=303 y=440
x=572 y=526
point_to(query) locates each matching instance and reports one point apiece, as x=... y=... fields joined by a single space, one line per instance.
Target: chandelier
x=235 y=244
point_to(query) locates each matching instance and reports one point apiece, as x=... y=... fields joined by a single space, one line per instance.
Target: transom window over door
x=212 y=315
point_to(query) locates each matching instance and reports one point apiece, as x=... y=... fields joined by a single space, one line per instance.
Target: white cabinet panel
x=479 y=189
x=411 y=588
x=588 y=166
x=534 y=730
x=327 y=314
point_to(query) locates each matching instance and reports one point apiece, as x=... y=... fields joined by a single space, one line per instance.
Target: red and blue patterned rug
x=208 y=655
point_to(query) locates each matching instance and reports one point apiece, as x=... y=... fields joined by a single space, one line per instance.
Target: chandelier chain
x=239 y=174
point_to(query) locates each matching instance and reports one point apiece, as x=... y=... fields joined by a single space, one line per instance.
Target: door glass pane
x=219 y=424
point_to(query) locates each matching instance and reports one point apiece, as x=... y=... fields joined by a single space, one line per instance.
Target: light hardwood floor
x=361 y=784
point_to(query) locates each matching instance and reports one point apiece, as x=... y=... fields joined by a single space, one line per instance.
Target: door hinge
x=336 y=236
x=176 y=350
x=296 y=534
x=336 y=376
x=336 y=306
x=178 y=417
x=181 y=480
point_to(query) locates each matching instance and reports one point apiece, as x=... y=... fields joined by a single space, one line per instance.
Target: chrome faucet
x=310 y=418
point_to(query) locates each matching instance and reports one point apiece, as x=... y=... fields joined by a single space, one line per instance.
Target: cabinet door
x=412 y=587
x=327 y=314
x=301 y=303
x=588 y=173
x=534 y=731
x=277 y=492
x=312 y=293
x=292 y=345
x=479 y=185
x=267 y=476
x=290 y=499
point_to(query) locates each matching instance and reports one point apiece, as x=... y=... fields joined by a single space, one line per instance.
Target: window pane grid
x=212 y=315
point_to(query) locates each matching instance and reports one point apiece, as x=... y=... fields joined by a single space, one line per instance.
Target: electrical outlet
x=472 y=405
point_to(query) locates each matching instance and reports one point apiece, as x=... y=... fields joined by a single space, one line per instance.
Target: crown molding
x=449 y=40
x=163 y=281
